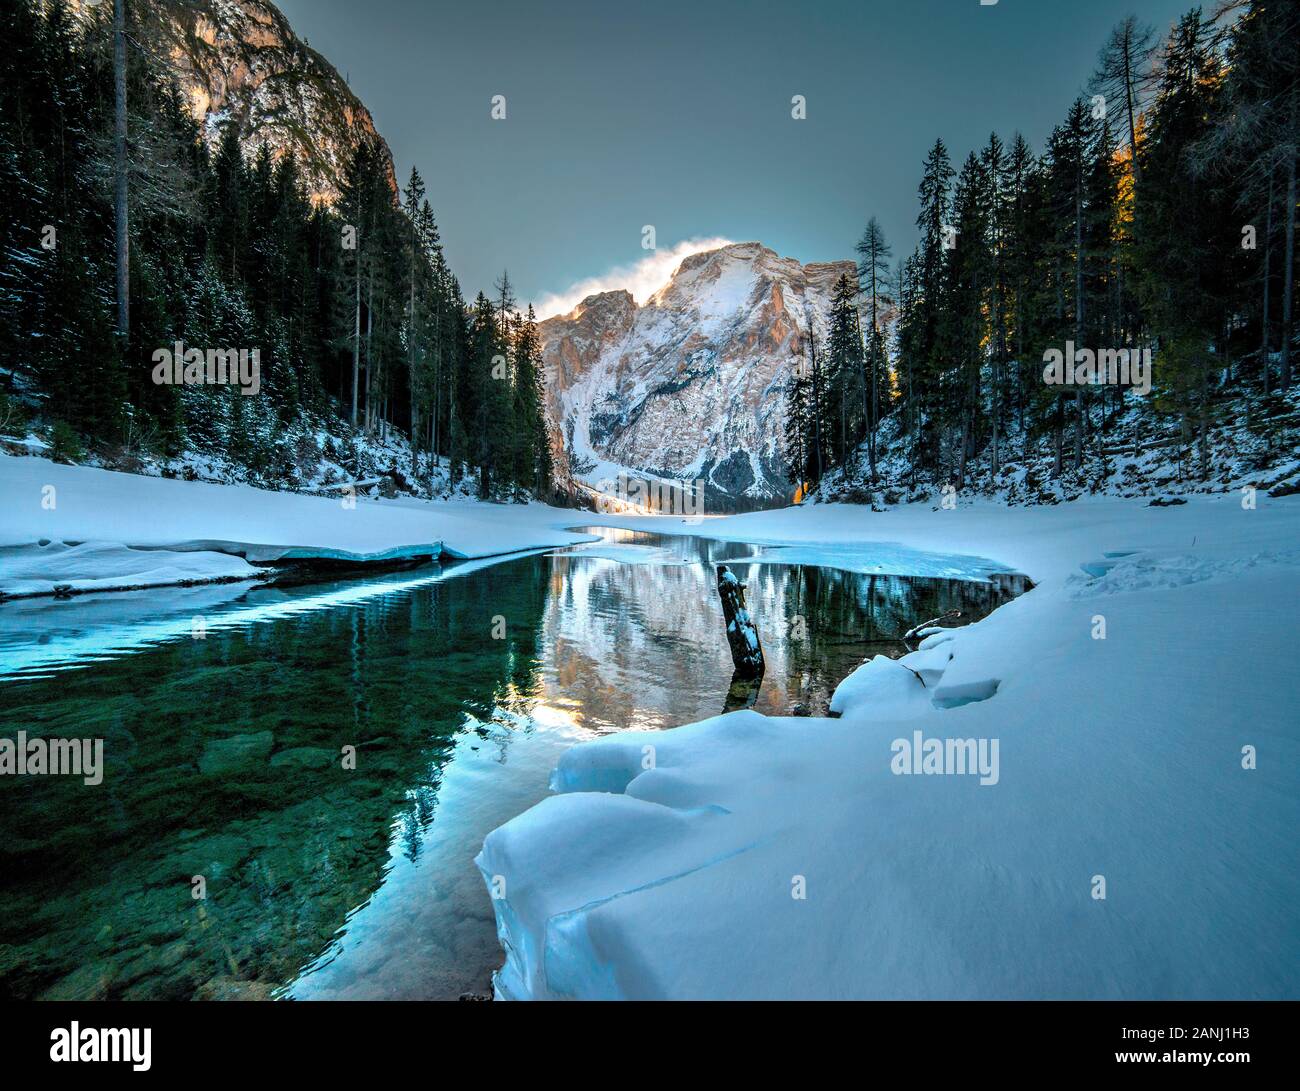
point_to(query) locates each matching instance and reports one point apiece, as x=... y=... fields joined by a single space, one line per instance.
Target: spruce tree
x=873 y=267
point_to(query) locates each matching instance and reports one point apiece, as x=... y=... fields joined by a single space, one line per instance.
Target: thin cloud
x=642 y=278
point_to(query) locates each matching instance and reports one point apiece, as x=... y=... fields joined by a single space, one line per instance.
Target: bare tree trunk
x=997 y=413
x=875 y=378
x=817 y=399
x=370 y=329
x=1129 y=64
x=844 y=434
x=866 y=403
x=965 y=446
x=451 y=432
x=356 y=338
x=1059 y=439
x=121 y=226
x=1204 y=439
x=1078 y=309
x=437 y=402
x=1288 y=291
x=1268 y=261
x=410 y=364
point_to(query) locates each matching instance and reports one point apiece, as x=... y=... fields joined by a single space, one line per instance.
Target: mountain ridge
x=689 y=385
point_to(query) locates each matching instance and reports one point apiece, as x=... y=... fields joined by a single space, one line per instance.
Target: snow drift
x=1138 y=843
x=96 y=530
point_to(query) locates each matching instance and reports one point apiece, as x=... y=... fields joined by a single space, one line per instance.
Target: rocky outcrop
x=240 y=63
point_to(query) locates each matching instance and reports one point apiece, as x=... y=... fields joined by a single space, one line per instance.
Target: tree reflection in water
x=222 y=758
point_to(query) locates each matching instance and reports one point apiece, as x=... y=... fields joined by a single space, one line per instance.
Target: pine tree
x=78 y=362
x=796 y=432
x=969 y=270
x=1021 y=257
x=873 y=267
x=417 y=259
x=1254 y=141
x=1185 y=227
x=995 y=165
x=844 y=371
x=482 y=397
x=534 y=469
x=363 y=201
x=925 y=362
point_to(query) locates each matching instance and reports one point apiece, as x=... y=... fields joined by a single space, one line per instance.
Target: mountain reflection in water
x=459 y=689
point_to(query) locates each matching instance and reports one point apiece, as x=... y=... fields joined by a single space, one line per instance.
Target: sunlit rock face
x=239 y=63
x=690 y=384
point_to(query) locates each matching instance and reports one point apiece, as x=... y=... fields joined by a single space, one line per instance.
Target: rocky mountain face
x=689 y=386
x=240 y=63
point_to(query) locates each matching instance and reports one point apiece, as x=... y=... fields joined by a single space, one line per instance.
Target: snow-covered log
x=367 y=483
x=742 y=633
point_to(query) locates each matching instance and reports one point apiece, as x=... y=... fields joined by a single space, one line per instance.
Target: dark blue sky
x=677 y=114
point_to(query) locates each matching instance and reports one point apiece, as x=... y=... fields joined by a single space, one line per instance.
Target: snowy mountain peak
x=602 y=305
x=689 y=385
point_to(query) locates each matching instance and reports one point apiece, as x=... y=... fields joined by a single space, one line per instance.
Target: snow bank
x=40 y=636
x=40 y=568
x=883 y=559
x=49 y=506
x=748 y=856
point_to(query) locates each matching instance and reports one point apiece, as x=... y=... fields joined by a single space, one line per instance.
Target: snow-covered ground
x=1134 y=715
x=95 y=529
x=1129 y=831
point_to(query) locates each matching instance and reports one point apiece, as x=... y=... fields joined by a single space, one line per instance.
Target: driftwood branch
x=915 y=672
x=914 y=634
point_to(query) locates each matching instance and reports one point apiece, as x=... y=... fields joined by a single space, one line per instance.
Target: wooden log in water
x=742 y=633
x=742 y=693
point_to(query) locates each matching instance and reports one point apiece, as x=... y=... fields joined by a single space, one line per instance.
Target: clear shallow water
x=459 y=687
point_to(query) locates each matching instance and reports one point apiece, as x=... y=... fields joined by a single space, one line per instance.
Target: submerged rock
x=226 y=755
x=230 y=988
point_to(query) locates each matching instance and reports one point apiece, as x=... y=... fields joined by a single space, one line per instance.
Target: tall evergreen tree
x=925 y=363
x=844 y=371
x=873 y=267
x=1186 y=231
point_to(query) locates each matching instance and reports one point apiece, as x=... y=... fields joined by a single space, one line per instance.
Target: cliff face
x=239 y=63
x=690 y=385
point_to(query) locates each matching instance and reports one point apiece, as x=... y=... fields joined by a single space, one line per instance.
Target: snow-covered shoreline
x=88 y=529
x=748 y=856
